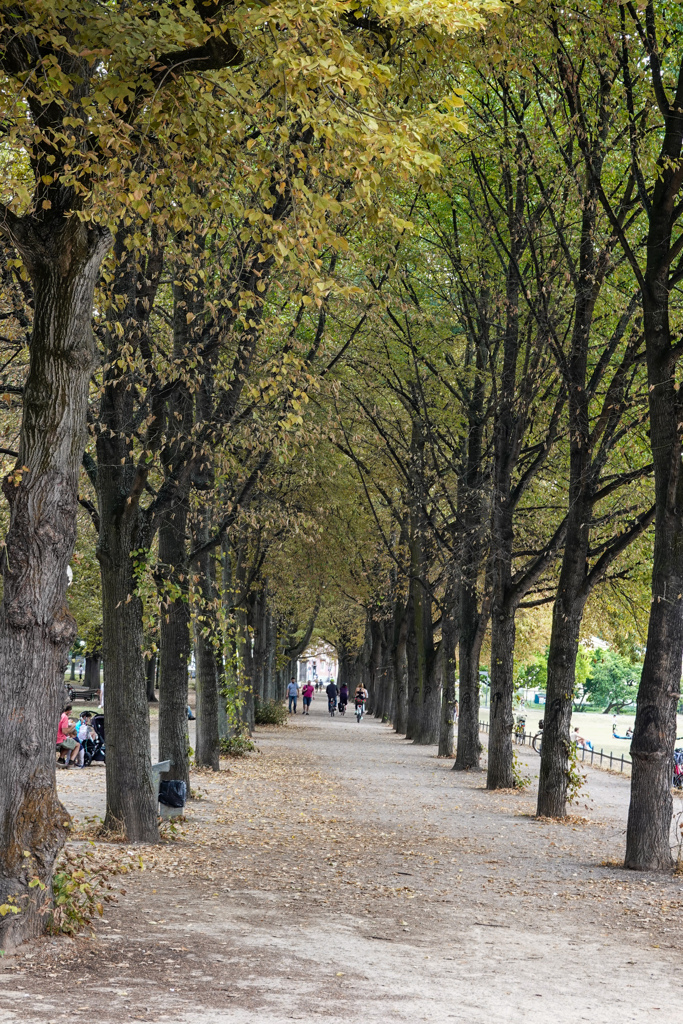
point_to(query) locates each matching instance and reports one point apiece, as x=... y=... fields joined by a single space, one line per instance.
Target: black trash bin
x=173 y=793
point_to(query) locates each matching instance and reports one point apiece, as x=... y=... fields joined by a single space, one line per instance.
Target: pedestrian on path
x=293 y=694
x=308 y=692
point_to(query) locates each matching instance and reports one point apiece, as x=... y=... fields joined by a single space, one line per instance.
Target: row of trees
x=301 y=354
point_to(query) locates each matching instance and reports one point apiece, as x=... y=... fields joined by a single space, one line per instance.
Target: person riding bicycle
x=343 y=694
x=360 y=696
x=332 y=694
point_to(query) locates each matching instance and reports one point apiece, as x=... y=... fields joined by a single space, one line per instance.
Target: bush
x=270 y=712
x=81 y=886
x=237 y=746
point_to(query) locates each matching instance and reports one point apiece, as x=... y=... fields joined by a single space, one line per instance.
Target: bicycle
x=331 y=706
x=360 y=711
x=341 y=708
x=537 y=743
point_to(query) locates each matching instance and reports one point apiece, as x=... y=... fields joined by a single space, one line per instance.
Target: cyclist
x=332 y=694
x=360 y=697
x=343 y=694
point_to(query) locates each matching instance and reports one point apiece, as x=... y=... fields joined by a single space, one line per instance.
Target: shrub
x=81 y=886
x=270 y=712
x=237 y=746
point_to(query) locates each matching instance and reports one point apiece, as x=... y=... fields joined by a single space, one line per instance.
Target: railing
x=616 y=763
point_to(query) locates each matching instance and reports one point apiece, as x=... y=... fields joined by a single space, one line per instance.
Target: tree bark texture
x=654 y=734
x=63 y=258
x=151 y=678
x=401 y=674
x=131 y=796
x=174 y=631
x=499 y=773
x=470 y=545
x=208 y=642
x=448 y=668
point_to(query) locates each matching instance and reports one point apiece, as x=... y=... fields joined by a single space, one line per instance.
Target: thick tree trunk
x=377 y=679
x=499 y=774
x=401 y=676
x=131 y=799
x=174 y=628
x=92 y=676
x=567 y=613
x=387 y=670
x=471 y=637
x=207 y=644
x=246 y=672
x=131 y=796
x=63 y=258
x=151 y=678
x=648 y=844
x=448 y=641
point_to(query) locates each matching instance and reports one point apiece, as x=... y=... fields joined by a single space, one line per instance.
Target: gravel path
x=345 y=875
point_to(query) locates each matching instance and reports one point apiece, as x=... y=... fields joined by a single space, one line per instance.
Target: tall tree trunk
x=174 y=630
x=246 y=663
x=564 y=644
x=93 y=670
x=654 y=734
x=131 y=796
x=151 y=678
x=499 y=773
x=448 y=641
x=208 y=647
x=401 y=674
x=471 y=637
x=63 y=258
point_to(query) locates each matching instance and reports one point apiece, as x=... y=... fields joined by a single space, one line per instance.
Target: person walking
x=307 y=692
x=332 y=694
x=293 y=694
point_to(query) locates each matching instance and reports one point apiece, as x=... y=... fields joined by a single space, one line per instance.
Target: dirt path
x=344 y=875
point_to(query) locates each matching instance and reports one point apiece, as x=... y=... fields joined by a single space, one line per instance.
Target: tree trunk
x=246 y=668
x=648 y=845
x=471 y=638
x=401 y=675
x=208 y=645
x=377 y=678
x=448 y=640
x=93 y=672
x=131 y=795
x=174 y=629
x=499 y=774
x=654 y=734
x=131 y=798
x=63 y=258
x=151 y=678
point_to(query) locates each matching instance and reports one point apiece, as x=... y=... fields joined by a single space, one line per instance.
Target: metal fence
x=617 y=763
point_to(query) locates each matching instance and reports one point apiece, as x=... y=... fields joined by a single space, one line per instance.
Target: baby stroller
x=677 y=781
x=94 y=750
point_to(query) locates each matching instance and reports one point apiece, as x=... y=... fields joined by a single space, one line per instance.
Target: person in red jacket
x=308 y=692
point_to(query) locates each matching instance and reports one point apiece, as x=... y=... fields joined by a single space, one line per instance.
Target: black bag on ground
x=173 y=793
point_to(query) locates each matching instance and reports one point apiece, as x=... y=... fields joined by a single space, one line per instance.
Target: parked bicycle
x=537 y=741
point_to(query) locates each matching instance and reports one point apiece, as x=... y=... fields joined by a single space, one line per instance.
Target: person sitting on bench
x=68 y=746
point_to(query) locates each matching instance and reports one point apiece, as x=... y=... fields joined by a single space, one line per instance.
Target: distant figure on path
x=293 y=694
x=332 y=693
x=343 y=694
x=307 y=692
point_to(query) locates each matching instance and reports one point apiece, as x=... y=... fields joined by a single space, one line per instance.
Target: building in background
x=318 y=663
